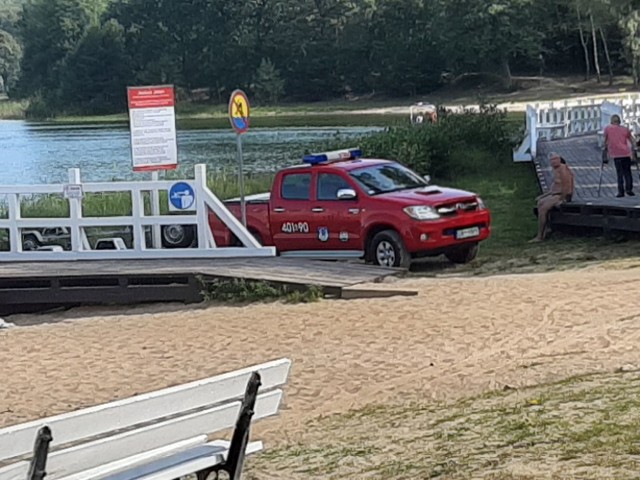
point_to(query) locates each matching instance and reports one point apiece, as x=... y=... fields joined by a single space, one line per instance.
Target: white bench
x=160 y=435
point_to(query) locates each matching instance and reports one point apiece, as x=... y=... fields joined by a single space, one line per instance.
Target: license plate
x=467 y=233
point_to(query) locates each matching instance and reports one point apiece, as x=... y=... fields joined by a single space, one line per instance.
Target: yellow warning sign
x=239 y=111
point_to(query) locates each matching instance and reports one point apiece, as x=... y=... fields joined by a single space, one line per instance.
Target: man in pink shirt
x=618 y=141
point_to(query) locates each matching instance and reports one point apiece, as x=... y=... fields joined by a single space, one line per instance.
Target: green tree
x=10 y=55
x=405 y=53
x=268 y=84
x=488 y=36
x=97 y=71
x=630 y=25
x=51 y=30
x=191 y=44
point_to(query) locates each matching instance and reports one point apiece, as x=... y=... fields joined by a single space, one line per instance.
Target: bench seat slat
x=181 y=464
x=138 y=460
x=118 y=447
x=70 y=427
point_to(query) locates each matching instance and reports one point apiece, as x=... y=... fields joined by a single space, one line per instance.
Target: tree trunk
x=596 y=60
x=585 y=46
x=607 y=56
x=506 y=73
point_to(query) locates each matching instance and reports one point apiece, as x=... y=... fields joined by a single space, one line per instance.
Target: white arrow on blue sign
x=182 y=197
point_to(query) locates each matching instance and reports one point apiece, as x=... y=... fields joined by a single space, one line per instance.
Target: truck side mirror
x=346 y=194
x=427 y=178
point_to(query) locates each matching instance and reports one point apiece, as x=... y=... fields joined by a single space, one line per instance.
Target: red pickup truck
x=339 y=205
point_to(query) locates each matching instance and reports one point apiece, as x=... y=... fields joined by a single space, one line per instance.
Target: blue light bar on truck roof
x=336 y=155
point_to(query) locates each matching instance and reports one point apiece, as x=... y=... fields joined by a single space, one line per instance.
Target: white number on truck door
x=295 y=227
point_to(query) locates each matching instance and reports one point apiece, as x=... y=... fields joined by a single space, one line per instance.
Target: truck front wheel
x=388 y=250
x=463 y=254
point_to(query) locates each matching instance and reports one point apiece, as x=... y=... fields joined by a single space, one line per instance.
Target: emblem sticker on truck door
x=323 y=234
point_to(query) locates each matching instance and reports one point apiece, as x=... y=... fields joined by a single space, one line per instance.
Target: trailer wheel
x=30 y=242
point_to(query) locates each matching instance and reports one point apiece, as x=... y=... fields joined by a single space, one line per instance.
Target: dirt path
x=457 y=338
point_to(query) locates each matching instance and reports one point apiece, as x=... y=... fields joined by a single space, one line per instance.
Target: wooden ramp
x=588 y=209
x=37 y=285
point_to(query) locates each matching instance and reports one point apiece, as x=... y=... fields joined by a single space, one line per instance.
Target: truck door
x=336 y=222
x=290 y=213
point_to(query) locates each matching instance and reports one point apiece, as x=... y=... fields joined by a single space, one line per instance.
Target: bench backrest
x=174 y=417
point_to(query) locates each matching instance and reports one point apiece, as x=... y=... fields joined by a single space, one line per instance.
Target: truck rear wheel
x=388 y=250
x=235 y=241
x=178 y=236
x=463 y=254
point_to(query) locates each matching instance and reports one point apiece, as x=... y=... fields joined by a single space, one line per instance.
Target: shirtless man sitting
x=561 y=191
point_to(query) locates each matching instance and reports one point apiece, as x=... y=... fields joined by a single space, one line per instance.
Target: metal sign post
x=243 y=204
x=239 y=111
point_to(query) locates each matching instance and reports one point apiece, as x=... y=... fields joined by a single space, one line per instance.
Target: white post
x=204 y=240
x=14 y=215
x=155 y=210
x=532 y=115
x=243 y=204
x=137 y=207
x=75 y=212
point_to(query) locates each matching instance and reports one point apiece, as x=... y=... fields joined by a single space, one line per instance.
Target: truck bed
x=252 y=199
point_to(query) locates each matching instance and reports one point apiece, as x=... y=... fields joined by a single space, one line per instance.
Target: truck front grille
x=452 y=209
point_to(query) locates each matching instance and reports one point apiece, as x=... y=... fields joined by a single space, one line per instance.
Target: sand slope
x=458 y=337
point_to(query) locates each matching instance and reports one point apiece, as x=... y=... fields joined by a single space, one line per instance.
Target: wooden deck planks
x=588 y=209
x=585 y=159
x=272 y=269
x=33 y=286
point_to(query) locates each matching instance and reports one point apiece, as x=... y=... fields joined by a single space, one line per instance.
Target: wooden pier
x=591 y=207
x=36 y=286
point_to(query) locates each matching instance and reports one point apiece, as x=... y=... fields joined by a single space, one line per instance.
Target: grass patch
x=12 y=109
x=248 y=291
x=185 y=122
x=584 y=427
x=509 y=191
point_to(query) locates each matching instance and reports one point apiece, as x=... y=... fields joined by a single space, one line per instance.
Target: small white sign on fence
x=73 y=192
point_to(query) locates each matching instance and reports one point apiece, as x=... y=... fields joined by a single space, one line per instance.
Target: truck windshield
x=386 y=178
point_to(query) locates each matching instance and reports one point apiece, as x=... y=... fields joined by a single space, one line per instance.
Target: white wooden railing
x=76 y=223
x=571 y=118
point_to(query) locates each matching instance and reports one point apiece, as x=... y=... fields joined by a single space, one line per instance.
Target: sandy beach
x=458 y=337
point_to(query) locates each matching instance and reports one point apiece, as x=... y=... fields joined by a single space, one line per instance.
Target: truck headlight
x=422 y=212
x=481 y=205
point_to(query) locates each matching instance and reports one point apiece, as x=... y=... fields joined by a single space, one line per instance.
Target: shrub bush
x=40 y=108
x=466 y=142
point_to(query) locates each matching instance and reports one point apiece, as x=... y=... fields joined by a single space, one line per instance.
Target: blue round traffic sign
x=182 y=196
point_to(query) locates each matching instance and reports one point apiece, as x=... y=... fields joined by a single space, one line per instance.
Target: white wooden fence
x=567 y=119
x=76 y=223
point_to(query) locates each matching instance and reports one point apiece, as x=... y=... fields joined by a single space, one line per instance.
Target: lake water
x=40 y=153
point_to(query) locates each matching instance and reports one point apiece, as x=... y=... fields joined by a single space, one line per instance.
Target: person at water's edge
x=618 y=141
